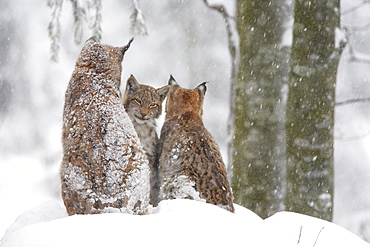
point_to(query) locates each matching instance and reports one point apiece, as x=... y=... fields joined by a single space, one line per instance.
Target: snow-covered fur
x=190 y=162
x=104 y=168
x=143 y=105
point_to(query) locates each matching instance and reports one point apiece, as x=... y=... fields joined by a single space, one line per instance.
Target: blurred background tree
x=310 y=108
x=258 y=159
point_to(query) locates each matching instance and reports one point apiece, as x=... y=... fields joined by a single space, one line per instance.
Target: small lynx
x=104 y=169
x=190 y=163
x=143 y=104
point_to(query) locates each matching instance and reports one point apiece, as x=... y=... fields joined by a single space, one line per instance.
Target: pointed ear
x=202 y=88
x=172 y=81
x=132 y=85
x=125 y=48
x=162 y=92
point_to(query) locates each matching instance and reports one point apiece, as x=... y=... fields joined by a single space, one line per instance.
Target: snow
x=183 y=188
x=340 y=38
x=30 y=148
x=178 y=222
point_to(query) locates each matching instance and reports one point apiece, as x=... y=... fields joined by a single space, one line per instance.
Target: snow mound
x=173 y=223
x=302 y=230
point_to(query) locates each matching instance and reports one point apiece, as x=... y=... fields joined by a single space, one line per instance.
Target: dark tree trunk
x=310 y=108
x=257 y=149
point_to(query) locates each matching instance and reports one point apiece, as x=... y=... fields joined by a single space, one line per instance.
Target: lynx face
x=143 y=103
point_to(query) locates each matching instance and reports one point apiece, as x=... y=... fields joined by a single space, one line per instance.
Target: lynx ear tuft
x=172 y=81
x=125 y=48
x=202 y=88
x=92 y=40
x=132 y=85
x=162 y=92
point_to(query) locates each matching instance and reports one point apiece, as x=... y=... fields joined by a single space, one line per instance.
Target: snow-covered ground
x=32 y=214
x=173 y=223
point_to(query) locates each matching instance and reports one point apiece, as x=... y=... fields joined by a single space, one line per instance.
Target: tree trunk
x=6 y=87
x=256 y=156
x=310 y=109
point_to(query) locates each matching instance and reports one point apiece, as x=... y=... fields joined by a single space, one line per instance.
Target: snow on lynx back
x=104 y=168
x=190 y=162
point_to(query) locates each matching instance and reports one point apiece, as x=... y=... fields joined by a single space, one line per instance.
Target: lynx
x=190 y=163
x=104 y=168
x=143 y=105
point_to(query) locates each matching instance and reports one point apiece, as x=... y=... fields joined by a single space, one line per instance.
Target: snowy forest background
x=185 y=39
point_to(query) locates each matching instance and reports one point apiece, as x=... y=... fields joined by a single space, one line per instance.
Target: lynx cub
x=143 y=104
x=190 y=163
x=104 y=169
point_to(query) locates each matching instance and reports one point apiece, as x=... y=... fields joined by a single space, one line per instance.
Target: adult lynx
x=104 y=169
x=143 y=104
x=190 y=163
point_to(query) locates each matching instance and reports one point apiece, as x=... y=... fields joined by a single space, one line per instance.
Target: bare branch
x=352 y=101
x=318 y=236
x=357 y=28
x=233 y=41
x=220 y=8
x=359 y=60
x=352 y=138
x=350 y=10
x=300 y=234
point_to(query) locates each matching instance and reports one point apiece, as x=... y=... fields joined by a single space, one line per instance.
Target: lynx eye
x=153 y=105
x=137 y=101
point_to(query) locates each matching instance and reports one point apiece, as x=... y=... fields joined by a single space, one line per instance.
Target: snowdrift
x=173 y=223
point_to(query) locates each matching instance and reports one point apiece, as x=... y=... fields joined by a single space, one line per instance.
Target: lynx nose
x=144 y=112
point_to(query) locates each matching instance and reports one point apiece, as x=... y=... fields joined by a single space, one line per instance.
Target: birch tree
x=310 y=108
x=257 y=159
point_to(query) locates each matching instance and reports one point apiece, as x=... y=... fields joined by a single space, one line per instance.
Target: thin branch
x=359 y=60
x=357 y=28
x=220 y=8
x=352 y=138
x=233 y=41
x=355 y=8
x=318 y=236
x=300 y=234
x=352 y=101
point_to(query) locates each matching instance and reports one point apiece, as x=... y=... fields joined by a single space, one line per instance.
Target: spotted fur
x=143 y=104
x=190 y=162
x=104 y=169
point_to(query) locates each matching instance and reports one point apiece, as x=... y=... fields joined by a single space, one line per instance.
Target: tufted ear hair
x=132 y=85
x=202 y=88
x=92 y=40
x=172 y=81
x=162 y=92
x=125 y=48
